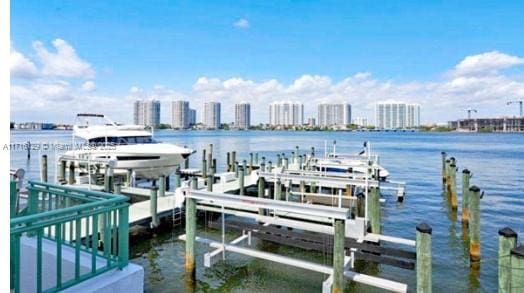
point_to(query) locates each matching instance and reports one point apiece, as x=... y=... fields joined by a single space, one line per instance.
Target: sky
x=100 y=56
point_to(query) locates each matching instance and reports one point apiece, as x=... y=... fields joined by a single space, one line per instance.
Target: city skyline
x=375 y=53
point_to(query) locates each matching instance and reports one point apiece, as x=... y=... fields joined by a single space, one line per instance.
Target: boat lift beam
x=324 y=181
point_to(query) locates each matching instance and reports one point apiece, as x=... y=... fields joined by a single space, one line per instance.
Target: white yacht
x=128 y=147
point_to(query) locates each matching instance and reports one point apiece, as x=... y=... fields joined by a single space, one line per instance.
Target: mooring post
x=190 y=236
x=297 y=154
x=210 y=179
x=507 y=241
x=177 y=178
x=228 y=161
x=153 y=207
x=186 y=163
x=286 y=164
x=466 y=175
x=313 y=187
x=289 y=189
x=162 y=186
x=443 y=170
x=241 y=182
x=236 y=169
x=43 y=169
x=62 y=171
x=474 y=224
x=278 y=190
x=302 y=189
x=129 y=175
x=256 y=158
x=118 y=188
x=233 y=160
x=204 y=169
x=262 y=167
x=338 y=256
x=209 y=162
x=71 y=173
x=293 y=157
x=211 y=152
x=214 y=166
x=263 y=160
x=279 y=160
x=269 y=166
x=517 y=268
x=300 y=162
x=244 y=167
x=361 y=205
x=250 y=163
x=261 y=191
x=374 y=209
x=453 y=186
x=423 y=265
x=446 y=179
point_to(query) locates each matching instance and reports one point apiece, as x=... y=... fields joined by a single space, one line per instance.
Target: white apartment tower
x=180 y=115
x=334 y=114
x=146 y=113
x=397 y=115
x=286 y=113
x=243 y=115
x=211 y=115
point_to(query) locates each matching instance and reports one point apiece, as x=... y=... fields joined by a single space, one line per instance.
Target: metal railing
x=93 y=226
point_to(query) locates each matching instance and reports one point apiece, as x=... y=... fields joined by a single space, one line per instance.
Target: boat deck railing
x=62 y=220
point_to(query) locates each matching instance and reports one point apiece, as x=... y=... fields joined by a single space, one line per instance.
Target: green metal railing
x=90 y=223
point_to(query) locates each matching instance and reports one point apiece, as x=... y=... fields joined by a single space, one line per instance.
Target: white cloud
x=64 y=62
x=88 y=86
x=486 y=63
x=21 y=66
x=241 y=23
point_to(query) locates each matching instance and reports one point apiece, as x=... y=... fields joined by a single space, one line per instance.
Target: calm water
x=496 y=160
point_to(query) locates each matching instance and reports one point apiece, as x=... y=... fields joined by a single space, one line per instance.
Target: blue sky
x=172 y=44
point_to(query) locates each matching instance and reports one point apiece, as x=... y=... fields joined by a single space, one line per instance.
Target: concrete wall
x=129 y=280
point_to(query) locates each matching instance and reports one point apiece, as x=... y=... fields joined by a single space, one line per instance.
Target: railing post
x=517 y=269
x=190 y=237
x=43 y=168
x=466 y=175
x=507 y=241
x=153 y=207
x=423 y=265
x=123 y=236
x=474 y=225
x=338 y=257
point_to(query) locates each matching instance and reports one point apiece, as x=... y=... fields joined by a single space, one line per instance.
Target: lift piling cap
x=474 y=189
x=424 y=228
x=507 y=232
x=443 y=153
x=466 y=171
x=518 y=251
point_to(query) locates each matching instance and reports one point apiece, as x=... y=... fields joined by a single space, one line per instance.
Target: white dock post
x=162 y=186
x=153 y=207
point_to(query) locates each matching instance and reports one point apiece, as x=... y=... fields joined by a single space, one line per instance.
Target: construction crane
x=515 y=102
x=469 y=112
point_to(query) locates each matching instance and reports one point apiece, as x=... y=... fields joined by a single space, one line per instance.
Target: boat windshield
x=121 y=140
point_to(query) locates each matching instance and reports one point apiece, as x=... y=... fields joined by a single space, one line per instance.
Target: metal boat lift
x=334 y=219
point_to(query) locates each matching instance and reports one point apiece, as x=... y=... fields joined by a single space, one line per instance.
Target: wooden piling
x=210 y=182
x=233 y=160
x=269 y=166
x=474 y=224
x=300 y=162
x=162 y=186
x=244 y=168
x=374 y=209
x=453 y=186
x=297 y=154
x=279 y=160
x=517 y=269
x=190 y=236
x=228 y=162
x=466 y=175
x=262 y=167
x=338 y=257
x=250 y=163
x=286 y=163
x=261 y=191
x=236 y=169
x=423 y=265
x=43 y=169
x=278 y=190
x=71 y=180
x=444 y=175
x=204 y=168
x=507 y=241
x=153 y=207
x=256 y=158
x=214 y=166
x=446 y=179
x=241 y=181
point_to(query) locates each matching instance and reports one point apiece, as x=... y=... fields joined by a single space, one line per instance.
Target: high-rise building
x=286 y=113
x=311 y=121
x=242 y=115
x=397 y=115
x=192 y=117
x=211 y=115
x=360 y=121
x=146 y=113
x=334 y=114
x=180 y=114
